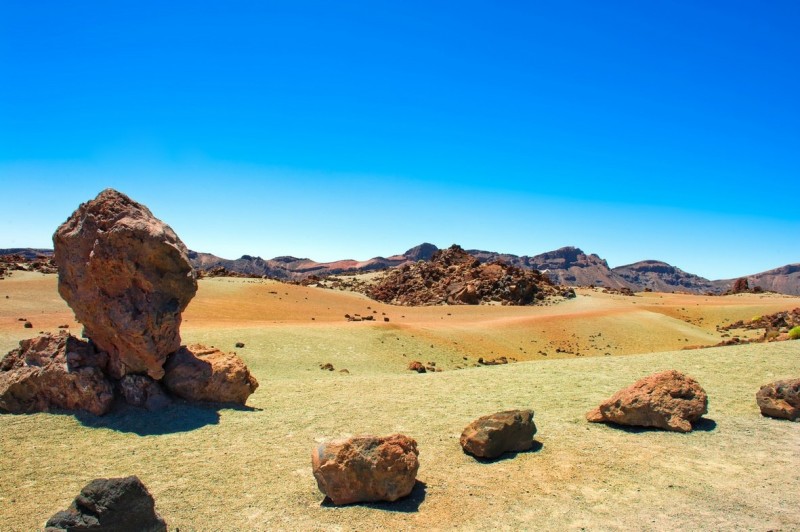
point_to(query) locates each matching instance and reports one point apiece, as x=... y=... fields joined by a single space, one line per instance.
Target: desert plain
x=219 y=468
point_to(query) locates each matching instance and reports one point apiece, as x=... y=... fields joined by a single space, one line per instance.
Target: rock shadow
x=180 y=416
x=408 y=504
x=537 y=446
x=701 y=425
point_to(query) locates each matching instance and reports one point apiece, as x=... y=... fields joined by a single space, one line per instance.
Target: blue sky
x=635 y=130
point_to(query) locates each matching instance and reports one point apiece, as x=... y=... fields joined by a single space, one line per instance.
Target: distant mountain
x=565 y=266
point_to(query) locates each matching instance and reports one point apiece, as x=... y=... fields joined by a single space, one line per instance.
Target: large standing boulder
x=127 y=276
x=780 y=399
x=199 y=373
x=668 y=400
x=105 y=504
x=54 y=371
x=366 y=468
x=491 y=436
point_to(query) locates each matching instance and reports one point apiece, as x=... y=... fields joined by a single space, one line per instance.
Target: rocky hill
x=662 y=277
x=784 y=280
x=455 y=277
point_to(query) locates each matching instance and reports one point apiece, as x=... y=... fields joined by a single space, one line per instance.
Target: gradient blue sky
x=667 y=130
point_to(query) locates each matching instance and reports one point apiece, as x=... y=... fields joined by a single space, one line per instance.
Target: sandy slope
x=225 y=469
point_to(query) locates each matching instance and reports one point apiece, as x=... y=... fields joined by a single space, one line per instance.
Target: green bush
x=794 y=333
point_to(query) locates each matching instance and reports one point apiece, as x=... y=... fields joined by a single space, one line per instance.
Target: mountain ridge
x=568 y=265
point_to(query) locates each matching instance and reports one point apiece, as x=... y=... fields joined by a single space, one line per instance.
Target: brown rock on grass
x=417 y=366
x=199 y=373
x=668 y=400
x=54 y=371
x=127 y=277
x=780 y=399
x=366 y=468
x=106 y=504
x=491 y=436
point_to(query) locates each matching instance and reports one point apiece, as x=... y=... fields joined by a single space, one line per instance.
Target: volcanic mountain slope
x=454 y=276
x=784 y=280
x=662 y=277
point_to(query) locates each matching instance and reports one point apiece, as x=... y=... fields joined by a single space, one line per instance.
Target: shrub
x=794 y=333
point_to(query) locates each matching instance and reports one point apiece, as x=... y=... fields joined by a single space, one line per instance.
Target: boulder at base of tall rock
x=199 y=373
x=127 y=277
x=106 y=504
x=143 y=392
x=366 y=468
x=54 y=371
x=780 y=399
x=491 y=436
x=668 y=400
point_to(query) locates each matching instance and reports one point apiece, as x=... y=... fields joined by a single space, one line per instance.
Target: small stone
x=239 y=345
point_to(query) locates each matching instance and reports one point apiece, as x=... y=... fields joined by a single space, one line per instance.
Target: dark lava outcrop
x=455 y=277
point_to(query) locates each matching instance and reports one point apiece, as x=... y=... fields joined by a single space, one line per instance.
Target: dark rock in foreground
x=491 y=436
x=366 y=468
x=780 y=399
x=54 y=371
x=127 y=276
x=110 y=504
x=669 y=400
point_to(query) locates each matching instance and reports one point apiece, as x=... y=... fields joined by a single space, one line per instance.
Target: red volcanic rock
x=366 y=468
x=780 y=399
x=49 y=372
x=455 y=277
x=740 y=285
x=127 y=276
x=491 y=436
x=199 y=373
x=669 y=400
x=105 y=504
x=417 y=366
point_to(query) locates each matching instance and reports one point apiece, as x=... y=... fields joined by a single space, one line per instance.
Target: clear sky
x=664 y=130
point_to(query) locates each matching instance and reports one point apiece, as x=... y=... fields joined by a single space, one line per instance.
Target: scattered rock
x=143 y=392
x=65 y=326
x=344 y=371
x=491 y=436
x=239 y=345
x=54 y=371
x=366 y=468
x=326 y=367
x=417 y=366
x=105 y=504
x=199 y=373
x=127 y=276
x=28 y=325
x=780 y=399
x=668 y=400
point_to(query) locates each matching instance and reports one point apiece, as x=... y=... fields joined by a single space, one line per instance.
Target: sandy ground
x=249 y=469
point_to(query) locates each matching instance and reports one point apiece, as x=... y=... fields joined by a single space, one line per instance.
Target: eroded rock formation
x=200 y=373
x=127 y=277
x=780 y=399
x=55 y=371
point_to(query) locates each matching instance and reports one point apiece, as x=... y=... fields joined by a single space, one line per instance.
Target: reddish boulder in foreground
x=127 y=277
x=54 y=371
x=491 y=436
x=366 y=468
x=780 y=399
x=118 y=504
x=668 y=400
x=199 y=373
